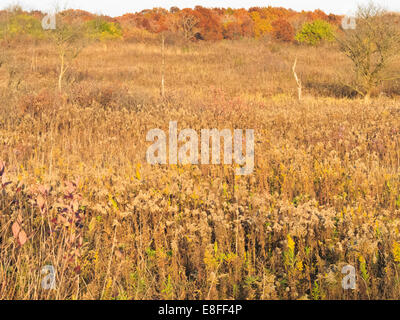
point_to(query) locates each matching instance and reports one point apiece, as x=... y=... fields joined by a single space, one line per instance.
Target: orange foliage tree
x=209 y=23
x=282 y=30
x=262 y=25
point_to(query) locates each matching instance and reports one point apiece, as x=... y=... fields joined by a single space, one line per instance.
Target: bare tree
x=163 y=65
x=298 y=81
x=372 y=46
x=69 y=40
x=188 y=23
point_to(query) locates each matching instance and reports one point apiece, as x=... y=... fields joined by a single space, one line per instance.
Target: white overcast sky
x=119 y=7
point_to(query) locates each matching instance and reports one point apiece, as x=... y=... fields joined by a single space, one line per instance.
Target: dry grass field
x=78 y=194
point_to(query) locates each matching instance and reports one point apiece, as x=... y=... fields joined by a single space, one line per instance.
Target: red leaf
x=22 y=237
x=77 y=269
x=15 y=230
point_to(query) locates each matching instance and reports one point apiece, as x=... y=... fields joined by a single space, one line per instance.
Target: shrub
x=313 y=33
x=372 y=47
x=99 y=29
x=37 y=103
x=23 y=25
x=282 y=30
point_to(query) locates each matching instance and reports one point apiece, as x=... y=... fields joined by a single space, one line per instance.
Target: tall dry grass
x=77 y=193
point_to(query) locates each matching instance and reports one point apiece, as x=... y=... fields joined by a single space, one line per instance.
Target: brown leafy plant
x=372 y=47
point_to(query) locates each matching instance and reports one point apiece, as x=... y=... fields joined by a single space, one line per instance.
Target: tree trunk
x=61 y=73
x=298 y=81
x=163 y=67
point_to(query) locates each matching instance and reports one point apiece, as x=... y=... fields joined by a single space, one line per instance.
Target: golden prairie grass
x=324 y=192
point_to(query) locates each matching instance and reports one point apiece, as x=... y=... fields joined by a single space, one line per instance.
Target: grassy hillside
x=77 y=192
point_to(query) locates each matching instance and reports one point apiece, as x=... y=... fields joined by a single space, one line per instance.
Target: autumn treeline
x=199 y=23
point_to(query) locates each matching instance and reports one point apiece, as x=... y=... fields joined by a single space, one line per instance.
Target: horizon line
x=44 y=11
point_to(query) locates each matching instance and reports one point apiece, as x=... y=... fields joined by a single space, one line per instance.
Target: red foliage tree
x=320 y=15
x=210 y=24
x=282 y=30
x=334 y=19
x=246 y=22
x=232 y=30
